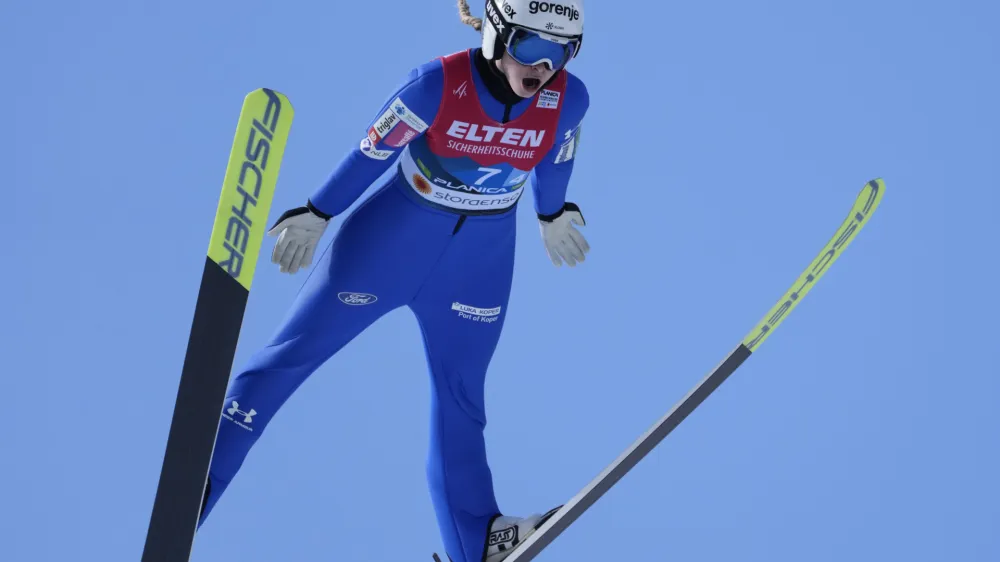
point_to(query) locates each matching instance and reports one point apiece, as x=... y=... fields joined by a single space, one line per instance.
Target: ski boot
x=508 y=532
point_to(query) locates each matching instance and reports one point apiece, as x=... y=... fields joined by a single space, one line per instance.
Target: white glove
x=563 y=242
x=298 y=231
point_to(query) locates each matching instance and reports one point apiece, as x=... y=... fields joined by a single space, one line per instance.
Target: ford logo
x=356 y=299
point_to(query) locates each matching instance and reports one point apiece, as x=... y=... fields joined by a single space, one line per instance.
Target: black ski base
x=215 y=333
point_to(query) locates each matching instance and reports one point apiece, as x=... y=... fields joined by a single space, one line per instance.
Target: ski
x=240 y=223
x=868 y=200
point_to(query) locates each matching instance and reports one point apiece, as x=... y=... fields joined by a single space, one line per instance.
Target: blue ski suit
x=436 y=236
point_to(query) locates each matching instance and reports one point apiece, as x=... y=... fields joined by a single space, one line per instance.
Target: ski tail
x=230 y=262
x=865 y=205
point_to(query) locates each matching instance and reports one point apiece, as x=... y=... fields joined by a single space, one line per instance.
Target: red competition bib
x=469 y=162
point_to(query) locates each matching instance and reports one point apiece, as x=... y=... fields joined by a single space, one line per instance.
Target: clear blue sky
x=725 y=142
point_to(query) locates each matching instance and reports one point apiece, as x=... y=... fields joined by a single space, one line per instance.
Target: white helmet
x=559 y=22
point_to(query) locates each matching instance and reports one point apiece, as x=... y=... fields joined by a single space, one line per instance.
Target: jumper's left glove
x=298 y=231
x=563 y=242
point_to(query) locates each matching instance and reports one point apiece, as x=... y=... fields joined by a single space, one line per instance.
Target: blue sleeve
x=553 y=173
x=404 y=116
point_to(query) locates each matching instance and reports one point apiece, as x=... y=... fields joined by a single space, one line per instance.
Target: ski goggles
x=530 y=48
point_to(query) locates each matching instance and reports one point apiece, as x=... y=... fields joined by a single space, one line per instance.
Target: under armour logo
x=247 y=416
x=461 y=90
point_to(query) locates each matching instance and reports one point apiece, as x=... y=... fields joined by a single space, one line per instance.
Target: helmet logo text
x=570 y=12
x=495 y=17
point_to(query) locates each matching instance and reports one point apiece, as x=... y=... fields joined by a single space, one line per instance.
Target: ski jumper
x=436 y=236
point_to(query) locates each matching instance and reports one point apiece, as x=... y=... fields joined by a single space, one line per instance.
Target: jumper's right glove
x=562 y=240
x=298 y=231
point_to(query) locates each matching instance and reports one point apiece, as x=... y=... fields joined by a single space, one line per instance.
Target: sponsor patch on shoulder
x=384 y=124
x=400 y=136
x=567 y=150
x=370 y=151
x=410 y=118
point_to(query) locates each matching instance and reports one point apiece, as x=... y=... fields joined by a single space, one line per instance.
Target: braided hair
x=466 y=16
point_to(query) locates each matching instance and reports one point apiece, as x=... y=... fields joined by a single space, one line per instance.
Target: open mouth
x=531 y=83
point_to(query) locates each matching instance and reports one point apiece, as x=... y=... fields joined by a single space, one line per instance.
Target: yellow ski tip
x=249 y=184
x=864 y=206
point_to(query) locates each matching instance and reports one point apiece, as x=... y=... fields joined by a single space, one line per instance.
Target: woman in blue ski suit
x=465 y=132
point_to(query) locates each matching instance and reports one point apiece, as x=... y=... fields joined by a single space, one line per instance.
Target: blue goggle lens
x=529 y=48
